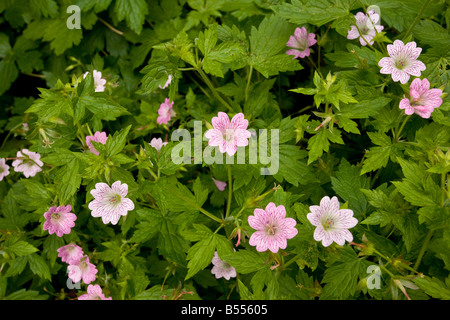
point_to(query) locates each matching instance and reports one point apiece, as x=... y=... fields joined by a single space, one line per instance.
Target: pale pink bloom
x=70 y=253
x=169 y=80
x=301 y=41
x=402 y=61
x=110 y=203
x=82 y=270
x=157 y=143
x=221 y=185
x=94 y=292
x=273 y=228
x=165 y=112
x=367 y=28
x=228 y=135
x=331 y=223
x=27 y=162
x=59 y=220
x=422 y=100
x=4 y=169
x=99 y=83
x=97 y=137
x=222 y=269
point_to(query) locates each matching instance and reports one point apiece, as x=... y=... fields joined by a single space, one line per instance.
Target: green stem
x=248 y=82
x=397 y=136
x=230 y=192
x=196 y=206
x=423 y=249
x=411 y=27
x=213 y=89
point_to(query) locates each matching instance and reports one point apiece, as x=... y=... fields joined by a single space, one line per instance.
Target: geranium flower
x=97 y=137
x=165 y=112
x=228 y=135
x=27 y=162
x=423 y=100
x=82 y=270
x=402 y=61
x=99 y=83
x=157 y=143
x=70 y=253
x=367 y=27
x=4 y=169
x=169 y=80
x=301 y=41
x=222 y=268
x=110 y=203
x=221 y=185
x=331 y=223
x=273 y=228
x=94 y=292
x=59 y=220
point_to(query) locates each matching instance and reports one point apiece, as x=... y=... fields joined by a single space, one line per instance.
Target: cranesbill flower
x=59 y=220
x=331 y=223
x=99 y=82
x=301 y=41
x=94 y=292
x=222 y=268
x=221 y=185
x=228 y=135
x=97 y=137
x=367 y=27
x=82 y=270
x=422 y=100
x=70 y=253
x=27 y=162
x=4 y=169
x=157 y=143
x=169 y=80
x=110 y=202
x=402 y=61
x=273 y=228
x=165 y=112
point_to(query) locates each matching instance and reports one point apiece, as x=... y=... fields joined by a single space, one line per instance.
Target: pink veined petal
x=347 y=235
x=423 y=111
x=415 y=68
x=304 y=53
x=292 y=42
x=311 y=39
x=404 y=104
x=127 y=204
x=386 y=62
x=353 y=33
x=300 y=33
x=294 y=52
x=314 y=217
x=231 y=148
x=239 y=122
x=319 y=233
x=337 y=237
x=279 y=213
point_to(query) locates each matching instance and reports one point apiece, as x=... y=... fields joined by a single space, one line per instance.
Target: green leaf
x=39 y=266
x=102 y=108
x=200 y=255
x=320 y=142
x=133 y=11
x=70 y=181
x=116 y=143
x=21 y=248
x=434 y=287
x=246 y=261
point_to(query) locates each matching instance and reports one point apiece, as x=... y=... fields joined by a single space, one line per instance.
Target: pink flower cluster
x=366 y=27
x=79 y=266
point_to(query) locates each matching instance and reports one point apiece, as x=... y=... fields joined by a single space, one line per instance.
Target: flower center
x=56 y=216
x=115 y=199
x=400 y=63
x=271 y=229
x=328 y=223
x=229 y=135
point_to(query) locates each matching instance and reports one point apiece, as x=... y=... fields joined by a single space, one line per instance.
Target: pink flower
x=301 y=41
x=273 y=228
x=59 y=220
x=94 y=292
x=221 y=185
x=82 y=270
x=110 y=203
x=169 y=80
x=4 y=169
x=157 y=143
x=331 y=223
x=402 y=61
x=97 y=137
x=70 y=253
x=423 y=100
x=228 y=135
x=28 y=162
x=99 y=83
x=222 y=268
x=165 y=112
x=367 y=28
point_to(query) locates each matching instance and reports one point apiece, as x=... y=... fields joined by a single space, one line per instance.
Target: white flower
x=222 y=268
x=99 y=83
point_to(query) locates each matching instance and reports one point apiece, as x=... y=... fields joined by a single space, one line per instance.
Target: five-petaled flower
x=157 y=143
x=300 y=42
x=366 y=27
x=99 y=82
x=100 y=137
x=222 y=268
x=422 y=100
x=27 y=162
x=331 y=223
x=273 y=228
x=402 y=61
x=70 y=253
x=94 y=292
x=165 y=112
x=59 y=220
x=109 y=202
x=4 y=169
x=228 y=135
x=82 y=270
